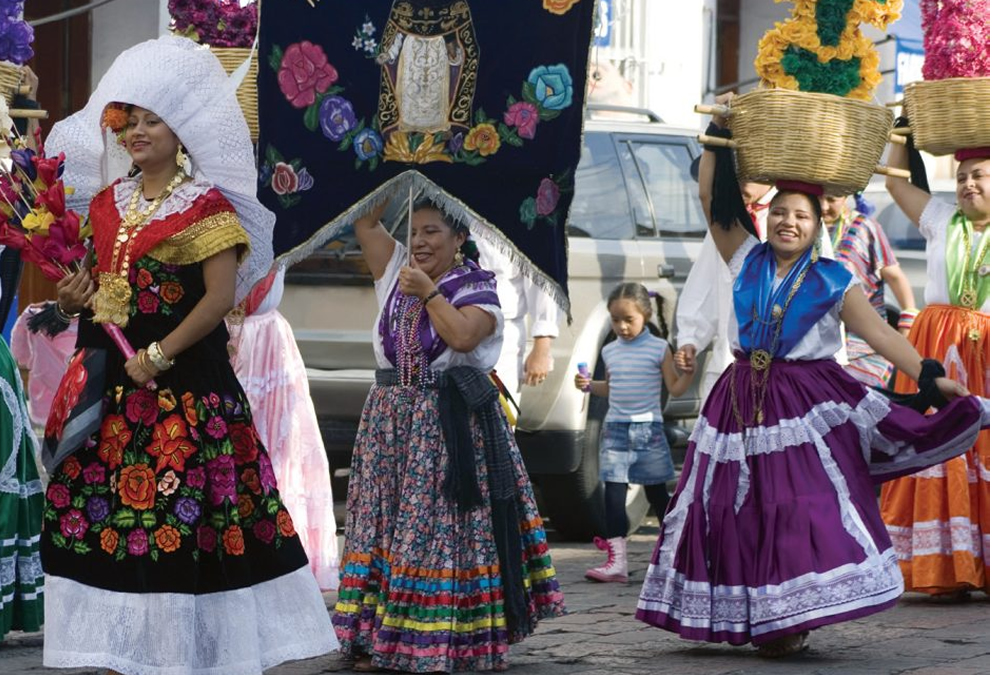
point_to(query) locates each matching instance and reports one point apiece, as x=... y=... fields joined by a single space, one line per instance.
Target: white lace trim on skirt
x=239 y=632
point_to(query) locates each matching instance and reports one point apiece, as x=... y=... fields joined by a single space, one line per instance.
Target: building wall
x=118 y=26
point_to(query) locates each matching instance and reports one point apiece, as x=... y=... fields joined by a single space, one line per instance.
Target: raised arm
x=911 y=199
x=861 y=318
x=726 y=240
x=377 y=245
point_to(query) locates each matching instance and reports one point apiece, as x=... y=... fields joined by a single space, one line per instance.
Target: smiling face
x=434 y=244
x=792 y=224
x=150 y=142
x=972 y=188
x=833 y=208
x=627 y=318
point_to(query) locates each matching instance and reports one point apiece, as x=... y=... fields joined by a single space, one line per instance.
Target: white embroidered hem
x=239 y=632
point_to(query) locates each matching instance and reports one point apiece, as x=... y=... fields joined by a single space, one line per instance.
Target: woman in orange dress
x=939 y=519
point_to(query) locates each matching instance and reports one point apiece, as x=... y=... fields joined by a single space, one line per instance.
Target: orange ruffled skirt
x=939 y=518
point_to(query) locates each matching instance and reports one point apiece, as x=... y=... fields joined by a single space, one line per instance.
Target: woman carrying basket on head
x=774 y=527
x=939 y=519
x=167 y=548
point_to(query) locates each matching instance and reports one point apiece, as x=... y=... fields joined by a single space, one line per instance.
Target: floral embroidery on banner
x=559 y=7
x=286 y=178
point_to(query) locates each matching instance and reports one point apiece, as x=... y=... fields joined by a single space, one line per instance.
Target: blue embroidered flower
x=266 y=170
x=552 y=85
x=306 y=180
x=188 y=510
x=98 y=509
x=367 y=144
x=336 y=117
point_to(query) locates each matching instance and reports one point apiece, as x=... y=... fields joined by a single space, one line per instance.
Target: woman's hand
x=74 y=291
x=723 y=99
x=414 y=281
x=684 y=359
x=950 y=389
x=138 y=371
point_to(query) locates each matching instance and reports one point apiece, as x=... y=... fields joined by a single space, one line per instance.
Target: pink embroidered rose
x=523 y=116
x=207 y=538
x=264 y=530
x=58 y=494
x=285 y=180
x=222 y=479
x=216 y=427
x=73 y=525
x=168 y=483
x=148 y=303
x=305 y=72
x=94 y=473
x=141 y=406
x=267 y=479
x=195 y=477
x=138 y=542
x=548 y=197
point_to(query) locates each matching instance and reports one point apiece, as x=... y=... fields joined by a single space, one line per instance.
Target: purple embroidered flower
x=222 y=479
x=548 y=197
x=456 y=142
x=523 y=116
x=93 y=473
x=195 y=477
x=367 y=144
x=267 y=480
x=98 y=509
x=266 y=171
x=264 y=530
x=138 y=542
x=305 y=179
x=207 y=538
x=336 y=117
x=73 y=525
x=216 y=427
x=187 y=510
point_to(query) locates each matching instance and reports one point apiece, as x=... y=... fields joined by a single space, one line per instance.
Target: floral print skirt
x=168 y=525
x=420 y=585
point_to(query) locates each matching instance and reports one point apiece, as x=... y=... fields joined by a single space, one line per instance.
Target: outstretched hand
x=950 y=389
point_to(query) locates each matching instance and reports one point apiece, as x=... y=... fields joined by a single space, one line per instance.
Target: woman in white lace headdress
x=167 y=546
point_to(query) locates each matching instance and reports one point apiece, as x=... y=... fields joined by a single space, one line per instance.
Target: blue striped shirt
x=635 y=377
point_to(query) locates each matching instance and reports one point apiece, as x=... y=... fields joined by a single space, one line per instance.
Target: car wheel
x=574 y=502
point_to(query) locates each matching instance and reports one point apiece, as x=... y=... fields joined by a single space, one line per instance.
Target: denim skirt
x=635 y=452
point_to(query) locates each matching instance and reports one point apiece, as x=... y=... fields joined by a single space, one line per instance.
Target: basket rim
x=809 y=95
x=934 y=84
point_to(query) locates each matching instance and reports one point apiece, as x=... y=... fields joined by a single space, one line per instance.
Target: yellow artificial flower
x=37 y=221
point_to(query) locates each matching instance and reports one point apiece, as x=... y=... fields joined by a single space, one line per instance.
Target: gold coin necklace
x=760 y=359
x=114 y=293
x=969 y=295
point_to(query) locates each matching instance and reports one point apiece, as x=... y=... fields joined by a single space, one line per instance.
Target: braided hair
x=638 y=294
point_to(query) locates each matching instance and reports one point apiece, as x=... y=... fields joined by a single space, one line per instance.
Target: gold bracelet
x=65 y=316
x=142 y=357
x=155 y=355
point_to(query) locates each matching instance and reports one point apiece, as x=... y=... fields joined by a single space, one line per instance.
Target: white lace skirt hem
x=240 y=632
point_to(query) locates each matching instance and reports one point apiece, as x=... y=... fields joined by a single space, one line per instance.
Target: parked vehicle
x=635 y=217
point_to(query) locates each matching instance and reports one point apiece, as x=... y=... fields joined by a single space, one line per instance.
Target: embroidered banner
x=476 y=103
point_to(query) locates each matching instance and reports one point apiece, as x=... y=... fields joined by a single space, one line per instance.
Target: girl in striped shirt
x=633 y=446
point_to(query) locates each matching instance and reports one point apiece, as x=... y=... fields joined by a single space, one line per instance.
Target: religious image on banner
x=477 y=105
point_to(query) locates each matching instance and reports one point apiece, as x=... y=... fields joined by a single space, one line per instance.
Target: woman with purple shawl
x=445 y=562
x=774 y=529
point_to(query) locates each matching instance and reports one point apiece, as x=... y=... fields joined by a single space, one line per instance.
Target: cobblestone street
x=600 y=637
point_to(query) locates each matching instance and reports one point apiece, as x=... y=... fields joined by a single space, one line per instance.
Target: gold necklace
x=114 y=293
x=760 y=359
x=969 y=294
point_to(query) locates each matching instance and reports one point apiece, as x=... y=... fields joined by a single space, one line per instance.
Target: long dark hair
x=638 y=294
x=469 y=248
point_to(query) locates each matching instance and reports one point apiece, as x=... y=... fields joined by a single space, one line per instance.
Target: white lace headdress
x=184 y=84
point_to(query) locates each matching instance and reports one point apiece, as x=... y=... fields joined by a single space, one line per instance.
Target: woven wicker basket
x=231 y=59
x=819 y=138
x=10 y=80
x=948 y=115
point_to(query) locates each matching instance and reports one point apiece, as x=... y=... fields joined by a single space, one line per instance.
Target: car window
x=600 y=205
x=642 y=214
x=665 y=172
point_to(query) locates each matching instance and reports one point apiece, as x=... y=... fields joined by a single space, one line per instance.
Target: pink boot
x=616 y=566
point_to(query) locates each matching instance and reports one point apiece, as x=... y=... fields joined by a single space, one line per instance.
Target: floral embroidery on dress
x=159 y=288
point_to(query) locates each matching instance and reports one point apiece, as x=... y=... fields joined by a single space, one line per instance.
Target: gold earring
x=459 y=258
x=181 y=157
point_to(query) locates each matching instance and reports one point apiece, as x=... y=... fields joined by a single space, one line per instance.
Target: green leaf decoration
x=79 y=502
x=345 y=144
x=528 y=93
x=311 y=117
x=59 y=540
x=545 y=114
x=274 y=59
x=372 y=163
x=480 y=116
x=154 y=555
x=272 y=155
x=124 y=518
x=120 y=554
x=273 y=506
x=148 y=519
x=511 y=101
x=81 y=548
